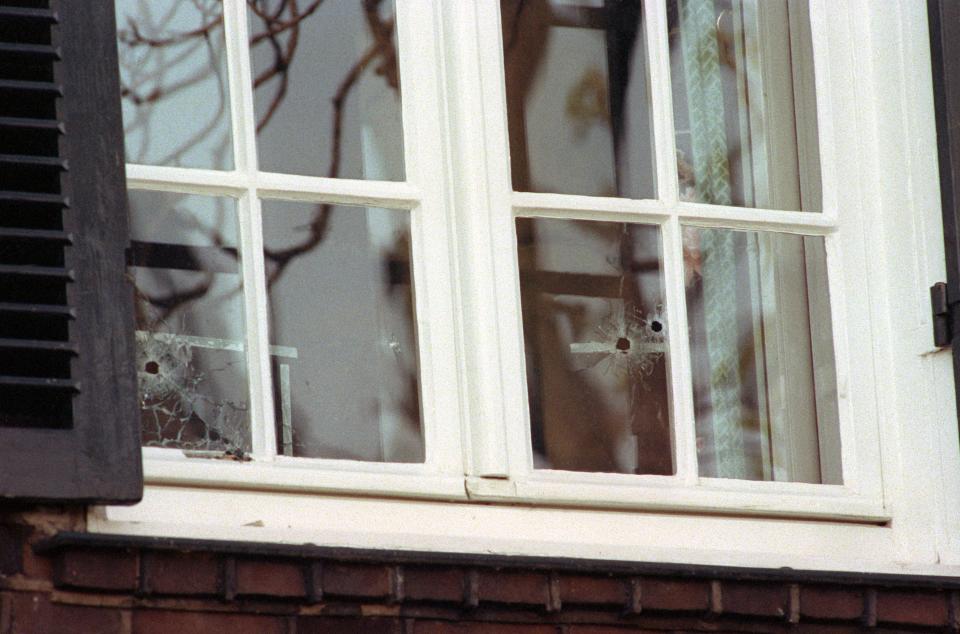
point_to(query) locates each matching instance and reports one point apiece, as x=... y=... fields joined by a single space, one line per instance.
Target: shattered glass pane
x=173 y=74
x=596 y=347
x=344 y=349
x=185 y=268
x=327 y=87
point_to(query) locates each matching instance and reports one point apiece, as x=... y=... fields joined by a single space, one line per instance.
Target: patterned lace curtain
x=711 y=171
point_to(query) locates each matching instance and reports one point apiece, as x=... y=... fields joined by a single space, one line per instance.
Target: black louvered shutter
x=68 y=413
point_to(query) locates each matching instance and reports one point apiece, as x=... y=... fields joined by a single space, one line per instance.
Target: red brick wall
x=55 y=579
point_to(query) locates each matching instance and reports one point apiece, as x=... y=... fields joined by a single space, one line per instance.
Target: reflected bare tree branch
x=277 y=28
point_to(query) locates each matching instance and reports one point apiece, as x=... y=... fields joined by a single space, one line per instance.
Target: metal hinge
x=942 y=308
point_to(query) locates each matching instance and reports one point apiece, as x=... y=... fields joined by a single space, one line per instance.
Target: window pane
x=592 y=296
x=744 y=103
x=327 y=88
x=173 y=75
x=577 y=97
x=342 y=326
x=184 y=264
x=761 y=343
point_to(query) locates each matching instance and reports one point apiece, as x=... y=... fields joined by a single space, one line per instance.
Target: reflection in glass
x=344 y=347
x=184 y=265
x=595 y=333
x=327 y=88
x=761 y=344
x=577 y=97
x=173 y=76
x=744 y=103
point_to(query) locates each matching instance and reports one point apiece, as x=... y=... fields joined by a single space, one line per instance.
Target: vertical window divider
x=661 y=103
x=682 y=428
x=466 y=25
x=429 y=219
x=827 y=136
x=257 y=342
x=243 y=117
x=257 y=335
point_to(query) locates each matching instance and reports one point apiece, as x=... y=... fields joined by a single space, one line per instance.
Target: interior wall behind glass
x=577 y=101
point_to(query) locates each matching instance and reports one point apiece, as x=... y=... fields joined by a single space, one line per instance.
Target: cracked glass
x=596 y=346
x=342 y=332
x=184 y=266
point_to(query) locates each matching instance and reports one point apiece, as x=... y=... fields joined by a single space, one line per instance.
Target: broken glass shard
x=184 y=265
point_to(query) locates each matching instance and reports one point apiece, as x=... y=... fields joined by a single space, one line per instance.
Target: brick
x=114 y=570
x=36 y=566
x=12 y=539
x=513 y=587
x=349 y=625
x=181 y=574
x=611 y=629
x=270 y=579
x=912 y=608
x=433 y=584
x=40 y=523
x=180 y=622
x=833 y=628
x=35 y=614
x=755 y=599
x=585 y=590
x=831 y=602
x=473 y=627
x=356 y=580
x=675 y=595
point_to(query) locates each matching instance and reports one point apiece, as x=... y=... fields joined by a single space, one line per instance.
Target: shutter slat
x=31 y=124
x=38 y=309
x=34 y=197
x=37 y=382
x=40 y=52
x=50 y=87
x=47 y=16
x=38 y=161
x=36 y=234
x=56 y=272
x=36 y=344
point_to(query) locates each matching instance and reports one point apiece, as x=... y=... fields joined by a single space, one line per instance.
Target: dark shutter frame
x=93 y=453
x=944 y=19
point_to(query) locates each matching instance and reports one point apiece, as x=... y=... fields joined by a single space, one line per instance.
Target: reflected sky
x=173 y=76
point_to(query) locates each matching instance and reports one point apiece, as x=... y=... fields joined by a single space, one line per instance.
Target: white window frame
x=421 y=195
x=880 y=220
